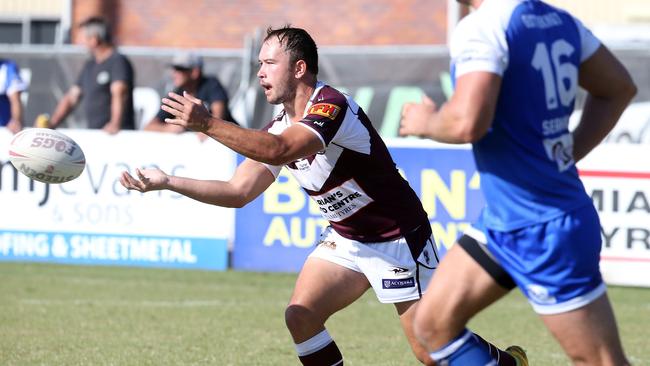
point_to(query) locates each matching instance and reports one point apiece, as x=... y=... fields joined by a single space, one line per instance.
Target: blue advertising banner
x=122 y=250
x=278 y=230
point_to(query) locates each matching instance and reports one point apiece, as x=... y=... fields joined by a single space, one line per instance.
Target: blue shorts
x=554 y=263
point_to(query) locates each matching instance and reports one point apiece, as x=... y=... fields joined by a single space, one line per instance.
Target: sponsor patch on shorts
x=397 y=283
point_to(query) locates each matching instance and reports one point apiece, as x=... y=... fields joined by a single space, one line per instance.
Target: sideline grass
x=77 y=315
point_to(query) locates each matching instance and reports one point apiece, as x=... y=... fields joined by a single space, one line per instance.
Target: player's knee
x=424 y=329
x=297 y=316
x=428 y=325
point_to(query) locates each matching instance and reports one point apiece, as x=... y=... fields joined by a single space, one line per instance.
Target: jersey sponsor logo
x=325 y=109
x=303 y=164
x=560 y=150
x=540 y=294
x=427 y=259
x=544 y=21
x=342 y=202
x=400 y=271
x=328 y=244
x=389 y=283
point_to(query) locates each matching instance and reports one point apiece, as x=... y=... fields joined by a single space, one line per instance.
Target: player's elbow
x=471 y=131
x=238 y=203
x=240 y=195
x=278 y=155
x=629 y=90
x=235 y=201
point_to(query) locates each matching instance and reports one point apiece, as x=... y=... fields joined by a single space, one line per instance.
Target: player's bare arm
x=294 y=143
x=249 y=181
x=610 y=88
x=465 y=118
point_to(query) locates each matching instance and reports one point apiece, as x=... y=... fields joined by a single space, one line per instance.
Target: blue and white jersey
x=10 y=82
x=525 y=160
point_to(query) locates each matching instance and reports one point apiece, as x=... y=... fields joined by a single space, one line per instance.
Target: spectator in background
x=104 y=86
x=11 y=85
x=187 y=75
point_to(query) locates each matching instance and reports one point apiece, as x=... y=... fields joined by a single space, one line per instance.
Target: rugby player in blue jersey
x=517 y=65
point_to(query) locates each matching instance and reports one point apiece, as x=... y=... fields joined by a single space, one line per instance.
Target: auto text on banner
x=94 y=220
x=278 y=230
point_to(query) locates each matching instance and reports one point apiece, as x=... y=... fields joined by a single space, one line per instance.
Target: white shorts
x=389 y=266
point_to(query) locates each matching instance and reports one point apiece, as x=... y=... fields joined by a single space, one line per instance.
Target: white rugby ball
x=46 y=155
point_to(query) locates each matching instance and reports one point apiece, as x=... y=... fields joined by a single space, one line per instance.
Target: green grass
x=76 y=315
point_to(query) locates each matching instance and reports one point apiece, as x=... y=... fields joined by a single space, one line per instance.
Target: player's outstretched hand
x=187 y=110
x=416 y=117
x=148 y=180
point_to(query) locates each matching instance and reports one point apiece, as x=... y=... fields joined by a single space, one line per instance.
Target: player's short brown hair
x=298 y=44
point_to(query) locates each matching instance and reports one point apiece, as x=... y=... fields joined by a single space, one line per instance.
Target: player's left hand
x=147 y=180
x=416 y=117
x=187 y=110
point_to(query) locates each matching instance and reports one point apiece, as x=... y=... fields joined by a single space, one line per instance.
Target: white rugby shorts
x=393 y=273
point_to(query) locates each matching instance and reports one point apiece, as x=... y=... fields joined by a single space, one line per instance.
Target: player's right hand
x=148 y=180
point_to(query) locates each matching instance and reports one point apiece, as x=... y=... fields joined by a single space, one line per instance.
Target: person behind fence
x=104 y=87
x=379 y=235
x=187 y=75
x=517 y=66
x=11 y=87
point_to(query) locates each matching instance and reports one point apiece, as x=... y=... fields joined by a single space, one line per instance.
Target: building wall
x=224 y=23
x=608 y=12
x=18 y=8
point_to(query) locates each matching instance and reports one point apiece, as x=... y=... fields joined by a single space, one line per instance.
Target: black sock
x=326 y=356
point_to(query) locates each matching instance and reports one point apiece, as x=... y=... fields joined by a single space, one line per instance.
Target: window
x=43 y=31
x=29 y=31
x=11 y=32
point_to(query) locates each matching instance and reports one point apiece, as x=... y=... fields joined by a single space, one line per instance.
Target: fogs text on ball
x=46 y=155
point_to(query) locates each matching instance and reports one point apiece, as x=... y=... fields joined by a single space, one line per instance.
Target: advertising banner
x=277 y=231
x=617 y=176
x=94 y=220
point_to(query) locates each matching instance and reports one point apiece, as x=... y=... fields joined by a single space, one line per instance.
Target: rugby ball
x=46 y=155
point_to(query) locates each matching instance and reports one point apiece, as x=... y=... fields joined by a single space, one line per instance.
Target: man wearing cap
x=187 y=75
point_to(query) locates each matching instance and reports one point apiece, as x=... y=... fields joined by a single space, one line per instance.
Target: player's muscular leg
x=459 y=289
x=322 y=289
x=589 y=334
x=406 y=312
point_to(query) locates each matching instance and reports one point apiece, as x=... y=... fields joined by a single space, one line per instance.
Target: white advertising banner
x=617 y=176
x=94 y=220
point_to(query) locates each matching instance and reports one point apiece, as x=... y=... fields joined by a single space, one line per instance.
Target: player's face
x=275 y=74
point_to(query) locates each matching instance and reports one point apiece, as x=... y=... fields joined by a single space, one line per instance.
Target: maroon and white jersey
x=353 y=179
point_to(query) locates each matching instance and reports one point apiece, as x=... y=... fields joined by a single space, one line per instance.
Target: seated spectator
x=11 y=85
x=187 y=75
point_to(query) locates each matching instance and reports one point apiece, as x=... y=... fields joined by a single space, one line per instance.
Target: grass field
x=76 y=315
